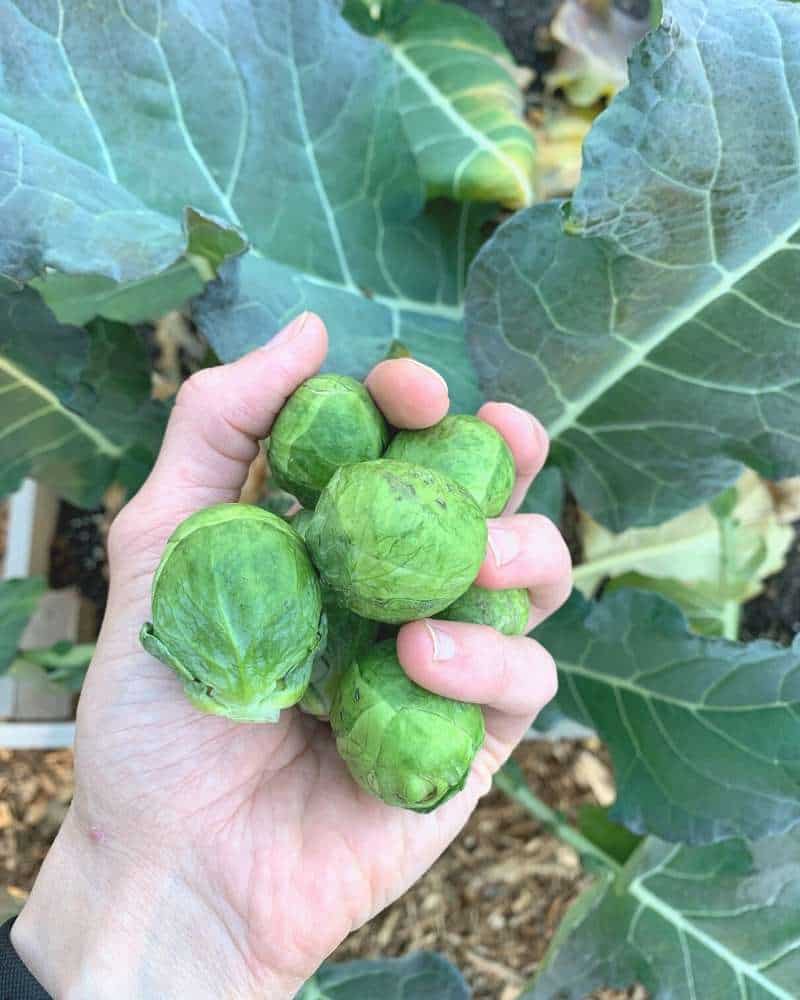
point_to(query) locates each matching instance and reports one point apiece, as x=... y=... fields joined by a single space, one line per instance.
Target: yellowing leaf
x=459 y=95
x=559 y=145
x=593 y=63
x=688 y=547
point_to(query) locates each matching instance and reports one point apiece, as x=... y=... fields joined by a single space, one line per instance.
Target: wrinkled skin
x=204 y=858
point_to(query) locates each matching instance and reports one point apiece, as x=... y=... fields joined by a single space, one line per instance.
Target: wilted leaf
x=718 y=921
x=657 y=336
x=71 y=401
x=704 y=734
x=593 y=62
x=422 y=976
x=559 y=145
x=18 y=600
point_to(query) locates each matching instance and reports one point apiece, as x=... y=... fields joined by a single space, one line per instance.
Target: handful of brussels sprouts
x=256 y=614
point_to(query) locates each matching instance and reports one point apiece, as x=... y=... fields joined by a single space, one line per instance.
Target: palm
x=280 y=826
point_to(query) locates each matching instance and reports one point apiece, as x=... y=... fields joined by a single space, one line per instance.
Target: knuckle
x=198 y=388
x=121 y=532
x=547 y=676
x=549 y=538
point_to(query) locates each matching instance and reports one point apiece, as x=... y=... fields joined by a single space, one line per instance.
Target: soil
x=775 y=613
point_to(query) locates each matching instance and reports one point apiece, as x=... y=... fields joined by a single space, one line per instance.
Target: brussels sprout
x=406 y=745
x=349 y=635
x=329 y=421
x=301 y=522
x=466 y=449
x=505 y=610
x=396 y=541
x=236 y=612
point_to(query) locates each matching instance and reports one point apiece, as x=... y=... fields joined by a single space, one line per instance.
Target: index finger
x=409 y=394
x=527 y=439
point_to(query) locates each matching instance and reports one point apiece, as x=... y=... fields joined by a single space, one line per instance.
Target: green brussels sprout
x=301 y=521
x=349 y=636
x=408 y=746
x=505 y=610
x=329 y=421
x=396 y=541
x=466 y=449
x=236 y=612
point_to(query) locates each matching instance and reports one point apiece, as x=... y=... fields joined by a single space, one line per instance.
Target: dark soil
x=78 y=554
x=775 y=614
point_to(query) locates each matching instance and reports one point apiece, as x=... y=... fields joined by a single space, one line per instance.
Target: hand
x=206 y=858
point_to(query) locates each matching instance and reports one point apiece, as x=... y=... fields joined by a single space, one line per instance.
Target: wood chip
x=591 y=772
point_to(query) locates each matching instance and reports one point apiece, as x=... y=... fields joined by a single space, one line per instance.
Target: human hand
x=207 y=858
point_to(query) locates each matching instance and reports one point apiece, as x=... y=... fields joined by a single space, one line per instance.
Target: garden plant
x=242 y=162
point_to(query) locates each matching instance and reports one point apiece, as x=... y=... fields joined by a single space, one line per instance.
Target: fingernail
x=504 y=545
x=294 y=329
x=444 y=646
x=430 y=371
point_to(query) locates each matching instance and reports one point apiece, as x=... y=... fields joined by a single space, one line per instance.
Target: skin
x=206 y=858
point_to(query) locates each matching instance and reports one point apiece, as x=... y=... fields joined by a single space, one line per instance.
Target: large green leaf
x=704 y=734
x=334 y=203
x=715 y=922
x=656 y=331
x=271 y=118
x=462 y=106
x=72 y=402
x=18 y=600
x=422 y=976
x=98 y=162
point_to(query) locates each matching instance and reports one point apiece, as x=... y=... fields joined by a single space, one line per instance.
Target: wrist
x=101 y=924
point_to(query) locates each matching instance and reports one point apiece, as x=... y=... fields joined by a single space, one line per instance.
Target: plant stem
x=731 y=620
x=656 y=12
x=553 y=821
x=731 y=609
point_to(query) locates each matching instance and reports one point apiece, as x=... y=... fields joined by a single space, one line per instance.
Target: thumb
x=219 y=416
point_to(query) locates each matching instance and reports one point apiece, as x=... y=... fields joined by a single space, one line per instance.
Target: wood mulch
x=491 y=902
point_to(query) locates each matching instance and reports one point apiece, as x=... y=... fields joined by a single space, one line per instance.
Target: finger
x=513 y=676
x=527 y=439
x=527 y=550
x=222 y=412
x=410 y=395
